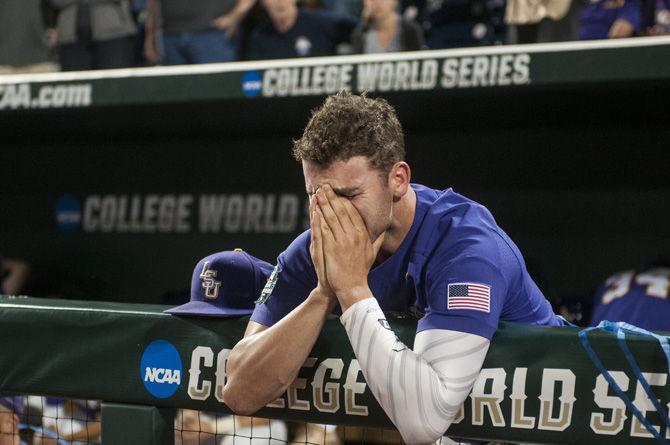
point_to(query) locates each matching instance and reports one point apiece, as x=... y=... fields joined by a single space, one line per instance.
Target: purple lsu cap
x=225 y=284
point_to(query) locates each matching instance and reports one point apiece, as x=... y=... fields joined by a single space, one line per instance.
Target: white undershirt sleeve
x=422 y=390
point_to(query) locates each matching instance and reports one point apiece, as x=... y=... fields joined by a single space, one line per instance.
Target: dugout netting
x=41 y=420
x=160 y=377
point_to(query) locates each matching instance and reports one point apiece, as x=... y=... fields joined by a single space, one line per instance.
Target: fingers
x=347 y=214
x=377 y=244
x=327 y=237
x=341 y=206
x=355 y=217
x=331 y=220
x=316 y=238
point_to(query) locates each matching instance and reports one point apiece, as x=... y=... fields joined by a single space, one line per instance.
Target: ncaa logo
x=160 y=369
x=252 y=83
x=68 y=213
x=208 y=283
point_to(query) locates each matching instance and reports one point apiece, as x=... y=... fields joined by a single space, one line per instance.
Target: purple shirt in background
x=599 y=15
x=453 y=241
x=636 y=297
x=15 y=403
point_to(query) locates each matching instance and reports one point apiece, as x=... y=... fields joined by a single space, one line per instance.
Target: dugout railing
x=537 y=384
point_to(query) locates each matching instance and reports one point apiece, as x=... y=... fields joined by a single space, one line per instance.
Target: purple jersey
x=636 y=297
x=599 y=15
x=455 y=267
x=14 y=403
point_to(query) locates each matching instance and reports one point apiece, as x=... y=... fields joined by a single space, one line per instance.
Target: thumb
x=377 y=244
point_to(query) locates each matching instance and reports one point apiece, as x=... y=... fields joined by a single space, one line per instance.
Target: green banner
x=440 y=70
x=537 y=384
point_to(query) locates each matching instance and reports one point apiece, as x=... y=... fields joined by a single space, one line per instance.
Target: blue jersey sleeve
x=631 y=12
x=466 y=295
x=289 y=284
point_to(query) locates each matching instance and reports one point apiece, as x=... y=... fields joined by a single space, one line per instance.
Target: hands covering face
x=340 y=247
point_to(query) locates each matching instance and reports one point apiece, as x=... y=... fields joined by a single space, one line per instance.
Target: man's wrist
x=323 y=298
x=353 y=295
x=363 y=305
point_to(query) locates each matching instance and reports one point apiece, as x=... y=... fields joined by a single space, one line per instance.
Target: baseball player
x=378 y=242
x=638 y=297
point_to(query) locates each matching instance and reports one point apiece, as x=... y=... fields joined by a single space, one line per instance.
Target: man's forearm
x=620 y=29
x=422 y=390
x=262 y=366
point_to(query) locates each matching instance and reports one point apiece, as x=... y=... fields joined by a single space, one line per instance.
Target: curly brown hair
x=349 y=125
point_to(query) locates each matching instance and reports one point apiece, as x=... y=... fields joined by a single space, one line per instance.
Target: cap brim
x=204 y=309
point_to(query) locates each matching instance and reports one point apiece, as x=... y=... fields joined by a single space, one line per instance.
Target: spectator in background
x=655 y=17
x=460 y=23
x=76 y=421
x=351 y=8
x=139 y=10
x=10 y=410
x=23 y=42
x=293 y=32
x=610 y=19
x=383 y=30
x=193 y=31
x=95 y=34
x=638 y=297
x=14 y=274
x=533 y=21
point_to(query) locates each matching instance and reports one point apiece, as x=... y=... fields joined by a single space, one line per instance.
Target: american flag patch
x=469 y=296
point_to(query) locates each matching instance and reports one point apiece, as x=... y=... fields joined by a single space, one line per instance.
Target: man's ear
x=399 y=179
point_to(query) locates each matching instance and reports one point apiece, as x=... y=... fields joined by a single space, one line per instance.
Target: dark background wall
x=578 y=176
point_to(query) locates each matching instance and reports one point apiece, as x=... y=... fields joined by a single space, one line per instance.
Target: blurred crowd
x=52 y=35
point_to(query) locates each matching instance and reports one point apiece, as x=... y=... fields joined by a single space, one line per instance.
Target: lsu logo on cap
x=210 y=285
x=269 y=286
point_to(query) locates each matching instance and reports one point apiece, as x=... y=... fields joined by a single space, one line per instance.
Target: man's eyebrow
x=345 y=191
x=341 y=191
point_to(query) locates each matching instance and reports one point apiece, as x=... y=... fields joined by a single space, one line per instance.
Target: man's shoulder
x=297 y=253
x=449 y=214
x=456 y=227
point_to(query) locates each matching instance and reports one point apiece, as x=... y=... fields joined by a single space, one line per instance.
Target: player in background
x=378 y=242
x=638 y=297
x=14 y=274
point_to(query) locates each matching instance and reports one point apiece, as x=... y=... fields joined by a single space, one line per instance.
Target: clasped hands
x=341 y=249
